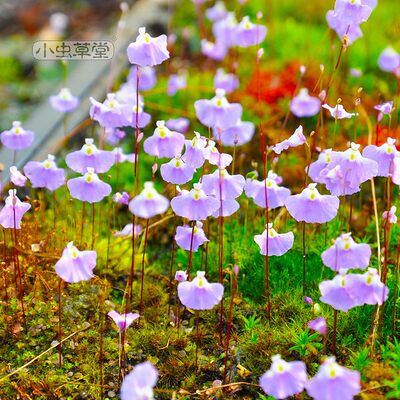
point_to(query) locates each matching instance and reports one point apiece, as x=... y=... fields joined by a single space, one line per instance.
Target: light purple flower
x=218 y=112
x=224 y=30
x=194 y=204
x=304 y=105
x=13 y=211
x=276 y=194
x=148 y=203
x=114 y=135
x=216 y=51
x=148 y=51
x=338 y=112
x=342 y=28
x=88 y=187
x=390 y=215
x=249 y=34
x=45 y=174
x=17 y=137
x=308 y=300
x=16 y=177
x=194 y=154
x=284 y=379
x=89 y=156
x=181 y=276
x=384 y=155
x=385 y=108
x=221 y=184
x=336 y=292
x=355 y=72
x=176 y=171
x=345 y=253
x=64 y=101
x=183 y=236
x=278 y=243
x=120 y=157
x=227 y=82
x=164 y=143
x=111 y=113
x=324 y=158
x=334 y=382
x=236 y=135
x=123 y=321
x=76 y=266
x=121 y=198
x=319 y=325
x=297 y=139
x=147 y=77
x=216 y=12
x=367 y=288
x=139 y=383
x=176 y=82
x=127 y=231
x=312 y=207
x=199 y=294
x=214 y=157
x=389 y=60
x=179 y=124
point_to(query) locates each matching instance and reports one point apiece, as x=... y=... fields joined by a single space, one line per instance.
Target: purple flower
x=13 y=211
x=335 y=22
x=227 y=82
x=147 y=77
x=121 y=198
x=183 y=236
x=114 y=135
x=214 y=157
x=181 y=276
x=385 y=108
x=148 y=203
x=218 y=112
x=249 y=34
x=236 y=135
x=148 y=51
x=324 y=158
x=304 y=105
x=336 y=292
x=45 y=174
x=88 y=187
x=120 y=157
x=217 y=12
x=346 y=254
x=64 y=101
x=123 y=321
x=308 y=300
x=390 y=215
x=355 y=72
x=176 y=82
x=164 y=143
x=338 y=112
x=17 y=137
x=276 y=194
x=176 y=171
x=16 y=177
x=139 y=384
x=194 y=205
x=194 y=154
x=179 y=124
x=199 y=294
x=216 y=51
x=297 y=139
x=74 y=265
x=224 y=30
x=89 y=156
x=111 y=113
x=278 y=243
x=334 y=382
x=347 y=171
x=127 y=231
x=319 y=325
x=367 y=288
x=312 y=207
x=389 y=60
x=284 y=379
x=222 y=185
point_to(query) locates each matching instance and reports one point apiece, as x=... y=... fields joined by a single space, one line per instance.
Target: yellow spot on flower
x=219 y=103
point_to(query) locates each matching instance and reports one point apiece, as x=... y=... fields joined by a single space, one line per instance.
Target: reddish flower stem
x=143 y=260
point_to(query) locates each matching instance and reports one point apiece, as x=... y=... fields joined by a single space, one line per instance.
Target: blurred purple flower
x=249 y=34
x=390 y=215
x=236 y=135
x=227 y=82
x=183 y=236
x=13 y=211
x=127 y=231
x=123 y=321
x=176 y=171
x=147 y=77
x=216 y=12
x=194 y=154
x=121 y=198
x=297 y=139
x=389 y=60
x=319 y=325
x=17 y=137
x=338 y=112
x=304 y=105
x=179 y=124
x=278 y=243
x=214 y=157
x=176 y=82
x=16 y=177
x=64 y=101
x=181 y=276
